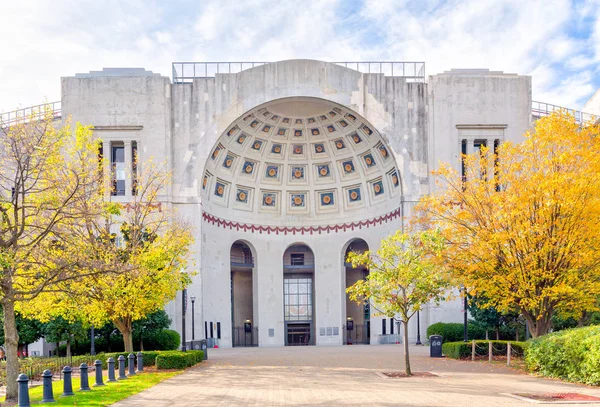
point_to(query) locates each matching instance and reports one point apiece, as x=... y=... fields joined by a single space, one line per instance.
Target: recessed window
x=297 y=259
x=117 y=160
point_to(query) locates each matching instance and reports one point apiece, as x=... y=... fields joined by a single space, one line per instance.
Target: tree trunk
x=538 y=326
x=487 y=334
x=141 y=344
x=69 y=348
x=406 y=355
x=497 y=333
x=126 y=329
x=11 y=342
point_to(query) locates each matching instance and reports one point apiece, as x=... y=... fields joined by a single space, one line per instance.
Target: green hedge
x=572 y=354
x=179 y=360
x=149 y=357
x=454 y=332
x=462 y=350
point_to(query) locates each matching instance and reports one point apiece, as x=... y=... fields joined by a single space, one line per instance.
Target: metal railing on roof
x=541 y=109
x=186 y=72
x=30 y=113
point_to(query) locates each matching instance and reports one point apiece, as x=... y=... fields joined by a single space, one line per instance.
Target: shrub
x=149 y=358
x=454 y=332
x=165 y=339
x=178 y=360
x=462 y=350
x=572 y=354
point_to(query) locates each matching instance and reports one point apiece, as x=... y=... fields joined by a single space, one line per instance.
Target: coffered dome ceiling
x=300 y=158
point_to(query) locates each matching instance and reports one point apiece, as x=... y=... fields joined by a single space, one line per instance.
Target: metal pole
x=183 y=301
x=418 y=329
x=466 y=331
x=93 y=345
x=193 y=323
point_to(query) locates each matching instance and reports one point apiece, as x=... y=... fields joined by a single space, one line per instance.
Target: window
x=297 y=294
x=117 y=161
x=383 y=331
x=297 y=259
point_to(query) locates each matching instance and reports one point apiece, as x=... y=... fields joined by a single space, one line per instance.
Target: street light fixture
x=183 y=309
x=193 y=298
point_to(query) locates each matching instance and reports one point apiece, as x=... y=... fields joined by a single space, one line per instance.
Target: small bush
x=454 y=332
x=572 y=354
x=165 y=339
x=148 y=357
x=462 y=350
x=178 y=360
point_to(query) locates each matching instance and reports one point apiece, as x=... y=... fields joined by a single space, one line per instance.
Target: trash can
x=435 y=346
x=204 y=348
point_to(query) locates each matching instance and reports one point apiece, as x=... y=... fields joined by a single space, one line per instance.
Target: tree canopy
x=521 y=225
x=49 y=186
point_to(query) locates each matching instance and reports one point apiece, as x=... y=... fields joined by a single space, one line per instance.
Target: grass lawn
x=104 y=395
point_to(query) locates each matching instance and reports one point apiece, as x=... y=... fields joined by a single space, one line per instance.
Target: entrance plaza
x=343 y=375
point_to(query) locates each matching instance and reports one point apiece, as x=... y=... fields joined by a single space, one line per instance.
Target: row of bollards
x=48 y=396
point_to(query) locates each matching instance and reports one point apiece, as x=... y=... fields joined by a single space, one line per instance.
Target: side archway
x=358 y=315
x=243 y=299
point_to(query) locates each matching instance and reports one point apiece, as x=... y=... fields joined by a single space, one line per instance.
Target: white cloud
x=47 y=40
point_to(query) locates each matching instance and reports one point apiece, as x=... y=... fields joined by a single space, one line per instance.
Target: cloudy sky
x=555 y=41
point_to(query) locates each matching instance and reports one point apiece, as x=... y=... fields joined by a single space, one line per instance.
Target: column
x=128 y=167
x=107 y=170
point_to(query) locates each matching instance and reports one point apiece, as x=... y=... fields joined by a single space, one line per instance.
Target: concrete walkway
x=345 y=375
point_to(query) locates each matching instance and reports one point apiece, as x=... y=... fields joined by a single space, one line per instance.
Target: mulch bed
x=402 y=375
x=558 y=396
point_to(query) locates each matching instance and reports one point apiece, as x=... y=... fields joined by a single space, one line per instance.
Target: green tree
x=402 y=277
x=150 y=326
x=60 y=329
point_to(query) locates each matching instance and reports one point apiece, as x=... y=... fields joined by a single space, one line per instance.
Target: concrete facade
x=257 y=162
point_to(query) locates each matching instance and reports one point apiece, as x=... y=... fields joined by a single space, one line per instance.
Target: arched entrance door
x=358 y=316
x=298 y=295
x=245 y=332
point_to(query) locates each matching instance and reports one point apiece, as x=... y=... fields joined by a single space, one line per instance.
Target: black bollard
x=140 y=359
x=67 y=385
x=48 y=393
x=22 y=382
x=98 y=365
x=122 y=368
x=131 y=364
x=111 y=370
x=83 y=372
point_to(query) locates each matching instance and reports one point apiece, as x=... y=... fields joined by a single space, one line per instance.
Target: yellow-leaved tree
x=522 y=225
x=147 y=249
x=403 y=276
x=49 y=186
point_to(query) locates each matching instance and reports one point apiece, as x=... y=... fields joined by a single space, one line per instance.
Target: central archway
x=298 y=295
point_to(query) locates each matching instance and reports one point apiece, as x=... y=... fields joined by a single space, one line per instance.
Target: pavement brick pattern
x=342 y=376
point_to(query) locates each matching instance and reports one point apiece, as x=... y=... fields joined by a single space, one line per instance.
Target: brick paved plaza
x=327 y=376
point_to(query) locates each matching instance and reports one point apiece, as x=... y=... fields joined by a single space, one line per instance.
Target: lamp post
x=418 y=329
x=193 y=298
x=466 y=306
x=183 y=309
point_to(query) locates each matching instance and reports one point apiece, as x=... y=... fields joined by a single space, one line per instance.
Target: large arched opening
x=298 y=295
x=358 y=315
x=297 y=166
x=243 y=286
